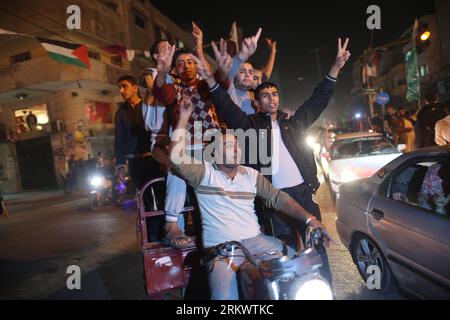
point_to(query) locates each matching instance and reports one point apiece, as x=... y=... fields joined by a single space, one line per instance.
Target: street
x=40 y=241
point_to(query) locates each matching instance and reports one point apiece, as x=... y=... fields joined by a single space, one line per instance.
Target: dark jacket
x=292 y=130
x=130 y=134
x=426 y=122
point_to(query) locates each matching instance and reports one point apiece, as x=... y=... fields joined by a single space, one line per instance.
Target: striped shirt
x=227 y=206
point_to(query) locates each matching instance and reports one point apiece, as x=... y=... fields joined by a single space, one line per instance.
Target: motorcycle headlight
x=96 y=181
x=311 y=287
x=348 y=175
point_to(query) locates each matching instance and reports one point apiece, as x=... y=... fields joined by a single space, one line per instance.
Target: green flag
x=413 y=78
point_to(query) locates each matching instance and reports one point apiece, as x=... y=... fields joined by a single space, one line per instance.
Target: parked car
x=358 y=155
x=399 y=221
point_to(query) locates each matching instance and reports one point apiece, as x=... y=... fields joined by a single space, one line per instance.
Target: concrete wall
x=9 y=181
x=103 y=23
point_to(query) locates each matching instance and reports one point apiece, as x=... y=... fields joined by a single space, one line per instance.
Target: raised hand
x=202 y=67
x=272 y=45
x=164 y=59
x=223 y=59
x=342 y=54
x=186 y=107
x=198 y=35
x=249 y=46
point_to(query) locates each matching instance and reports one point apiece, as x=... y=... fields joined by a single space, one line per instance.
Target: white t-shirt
x=285 y=173
x=442 y=131
x=154 y=115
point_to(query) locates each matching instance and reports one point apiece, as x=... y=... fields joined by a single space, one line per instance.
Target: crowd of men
x=186 y=108
x=415 y=128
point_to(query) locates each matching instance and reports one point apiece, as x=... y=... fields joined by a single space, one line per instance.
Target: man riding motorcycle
x=226 y=192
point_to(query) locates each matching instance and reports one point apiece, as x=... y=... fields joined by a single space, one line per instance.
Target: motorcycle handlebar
x=317 y=234
x=223 y=249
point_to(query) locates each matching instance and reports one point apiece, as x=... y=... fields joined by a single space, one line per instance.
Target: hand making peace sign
x=223 y=59
x=164 y=59
x=342 y=54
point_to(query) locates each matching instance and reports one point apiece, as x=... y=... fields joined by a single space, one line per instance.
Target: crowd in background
x=415 y=128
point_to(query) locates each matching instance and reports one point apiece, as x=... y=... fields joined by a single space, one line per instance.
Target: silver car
x=398 y=220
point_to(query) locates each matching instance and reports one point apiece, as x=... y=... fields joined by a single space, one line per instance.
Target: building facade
x=50 y=111
x=391 y=67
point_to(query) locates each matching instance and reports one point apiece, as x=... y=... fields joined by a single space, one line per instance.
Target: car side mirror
x=401 y=147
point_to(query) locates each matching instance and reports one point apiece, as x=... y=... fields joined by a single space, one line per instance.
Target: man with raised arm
x=290 y=164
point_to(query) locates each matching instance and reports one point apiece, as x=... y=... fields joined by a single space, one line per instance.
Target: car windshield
x=361 y=147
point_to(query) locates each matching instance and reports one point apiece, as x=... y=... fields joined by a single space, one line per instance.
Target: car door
x=415 y=240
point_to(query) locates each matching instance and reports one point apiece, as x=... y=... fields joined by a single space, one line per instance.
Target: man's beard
x=242 y=86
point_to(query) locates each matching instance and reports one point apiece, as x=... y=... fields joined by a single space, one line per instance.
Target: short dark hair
x=180 y=52
x=262 y=86
x=154 y=48
x=128 y=78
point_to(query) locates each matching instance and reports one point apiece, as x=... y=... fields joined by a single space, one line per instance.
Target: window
x=362 y=147
x=21 y=57
x=32 y=118
x=139 y=20
x=160 y=34
x=425 y=183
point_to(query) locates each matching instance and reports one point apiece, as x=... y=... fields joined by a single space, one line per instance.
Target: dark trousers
x=285 y=227
x=142 y=170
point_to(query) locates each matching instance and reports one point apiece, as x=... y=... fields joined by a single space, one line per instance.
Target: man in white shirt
x=442 y=131
x=226 y=192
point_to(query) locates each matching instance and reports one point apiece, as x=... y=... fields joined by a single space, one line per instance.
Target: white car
x=359 y=155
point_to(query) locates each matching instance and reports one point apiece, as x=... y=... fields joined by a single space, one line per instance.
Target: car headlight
x=348 y=175
x=311 y=287
x=97 y=181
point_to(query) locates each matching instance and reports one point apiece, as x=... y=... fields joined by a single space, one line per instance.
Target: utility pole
x=319 y=65
x=370 y=97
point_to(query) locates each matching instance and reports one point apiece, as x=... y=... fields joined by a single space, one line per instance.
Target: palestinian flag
x=66 y=52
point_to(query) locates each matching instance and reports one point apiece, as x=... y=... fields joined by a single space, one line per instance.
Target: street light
x=425 y=36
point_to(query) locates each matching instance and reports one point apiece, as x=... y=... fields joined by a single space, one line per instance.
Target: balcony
x=43 y=76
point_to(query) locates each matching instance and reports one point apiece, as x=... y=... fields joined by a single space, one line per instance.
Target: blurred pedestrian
x=377 y=122
x=407 y=134
x=427 y=118
x=442 y=131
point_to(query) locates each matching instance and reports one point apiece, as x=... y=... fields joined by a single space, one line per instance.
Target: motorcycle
x=102 y=190
x=275 y=276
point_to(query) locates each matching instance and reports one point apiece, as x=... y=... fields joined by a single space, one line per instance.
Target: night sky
x=299 y=26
